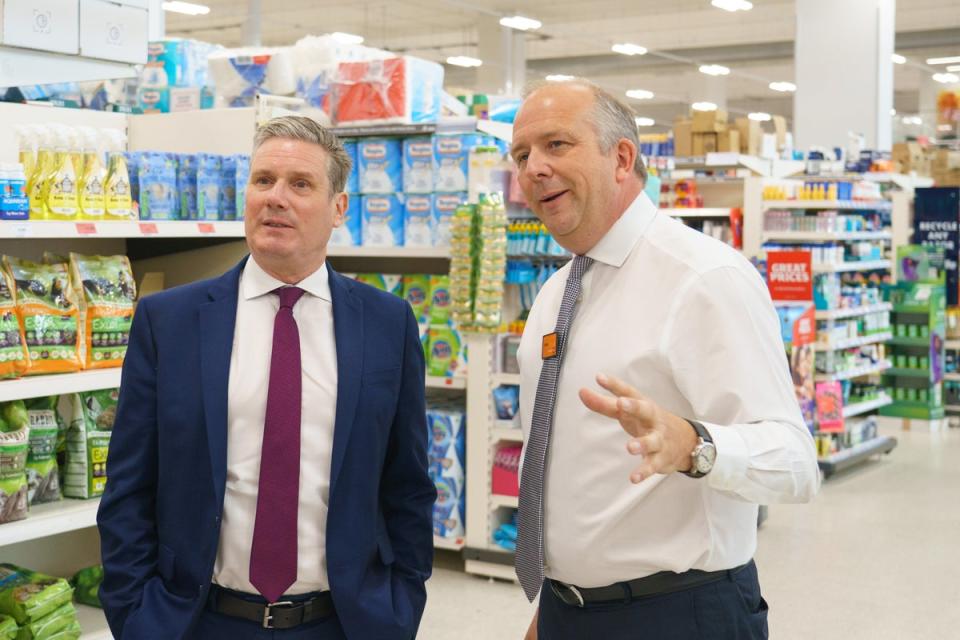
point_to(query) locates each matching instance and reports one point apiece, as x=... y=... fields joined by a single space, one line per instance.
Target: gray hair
x=309 y=130
x=611 y=119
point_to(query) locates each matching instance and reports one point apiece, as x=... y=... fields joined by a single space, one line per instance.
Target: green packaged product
x=90 y=418
x=43 y=477
x=86 y=585
x=416 y=290
x=71 y=632
x=49 y=626
x=14 y=446
x=13 y=346
x=8 y=628
x=29 y=596
x=439 y=300
x=447 y=352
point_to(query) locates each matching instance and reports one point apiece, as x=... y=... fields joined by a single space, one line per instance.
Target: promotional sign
x=790 y=276
x=802 y=364
x=936 y=223
x=830 y=407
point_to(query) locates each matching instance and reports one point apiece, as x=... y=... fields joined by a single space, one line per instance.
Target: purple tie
x=273 y=556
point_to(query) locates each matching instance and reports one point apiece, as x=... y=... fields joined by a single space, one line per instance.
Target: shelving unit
x=51 y=519
x=705 y=212
x=857 y=372
x=36 y=386
x=853 y=265
x=853 y=312
x=846 y=205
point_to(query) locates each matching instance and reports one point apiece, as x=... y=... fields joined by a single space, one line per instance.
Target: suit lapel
x=217 y=323
x=348 y=333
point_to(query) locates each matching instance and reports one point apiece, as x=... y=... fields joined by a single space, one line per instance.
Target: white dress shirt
x=687 y=321
x=247 y=405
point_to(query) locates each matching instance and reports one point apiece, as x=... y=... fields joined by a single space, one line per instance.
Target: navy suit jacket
x=160 y=515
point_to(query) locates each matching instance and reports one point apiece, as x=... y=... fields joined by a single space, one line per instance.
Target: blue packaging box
x=382 y=217
x=451 y=160
x=228 y=188
x=209 y=186
x=349 y=233
x=353 y=181
x=240 y=184
x=380 y=165
x=418 y=165
x=187 y=185
x=444 y=206
x=418 y=220
x=158 y=187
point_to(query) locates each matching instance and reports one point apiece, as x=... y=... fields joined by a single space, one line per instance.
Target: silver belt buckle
x=574 y=590
x=268 y=612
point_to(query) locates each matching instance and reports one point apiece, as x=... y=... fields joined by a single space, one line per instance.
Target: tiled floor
x=876 y=556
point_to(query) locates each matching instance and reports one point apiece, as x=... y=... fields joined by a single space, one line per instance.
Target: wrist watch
x=704 y=455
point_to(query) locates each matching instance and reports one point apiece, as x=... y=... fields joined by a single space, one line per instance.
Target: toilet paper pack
x=444 y=206
x=349 y=233
x=447 y=444
x=418 y=221
x=382 y=217
x=418 y=164
x=397 y=90
x=451 y=155
x=239 y=74
x=380 y=165
x=353 y=184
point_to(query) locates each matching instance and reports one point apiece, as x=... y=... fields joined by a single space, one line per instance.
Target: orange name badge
x=548 y=347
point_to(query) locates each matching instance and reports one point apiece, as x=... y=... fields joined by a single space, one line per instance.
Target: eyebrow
x=548 y=135
x=294 y=175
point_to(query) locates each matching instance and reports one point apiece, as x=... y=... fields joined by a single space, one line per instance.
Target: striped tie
x=529 y=558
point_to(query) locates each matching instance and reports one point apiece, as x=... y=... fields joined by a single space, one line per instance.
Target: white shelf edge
x=497 y=500
x=389 y=252
x=847 y=205
x=704 y=212
x=59 y=383
x=505 y=378
x=449 y=382
x=80 y=229
x=29 y=66
x=853 y=373
x=853 y=312
x=863 y=407
x=850 y=343
x=451 y=544
x=51 y=519
x=951 y=344
x=505 y=434
x=814 y=236
x=952 y=377
x=853 y=265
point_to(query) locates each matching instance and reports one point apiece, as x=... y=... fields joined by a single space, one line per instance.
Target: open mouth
x=552 y=196
x=273 y=224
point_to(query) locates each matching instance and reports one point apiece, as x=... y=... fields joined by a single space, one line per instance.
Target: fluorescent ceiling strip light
x=188 y=8
x=732 y=5
x=521 y=23
x=704 y=106
x=946 y=78
x=783 y=87
x=898 y=59
x=640 y=94
x=947 y=60
x=464 y=61
x=760 y=116
x=629 y=49
x=559 y=77
x=346 y=38
x=645 y=122
x=714 y=70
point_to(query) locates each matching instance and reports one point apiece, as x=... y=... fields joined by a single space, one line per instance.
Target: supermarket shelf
x=853 y=312
x=910 y=342
x=856 y=454
x=853 y=373
x=120 y=229
x=904 y=308
x=454 y=382
x=93 y=623
x=951 y=344
x=908 y=373
x=952 y=377
x=825 y=236
x=863 y=407
x=506 y=434
x=952 y=407
x=389 y=252
x=36 y=386
x=852 y=265
x=698 y=213
x=504 y=378
x=51 y=519
x=504 y=501
x=385 y=130
x=850 y=343
x=29 y=66
x=867 y=205
x=451 y=544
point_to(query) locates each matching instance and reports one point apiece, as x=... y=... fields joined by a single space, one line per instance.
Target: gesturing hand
x=662 y=440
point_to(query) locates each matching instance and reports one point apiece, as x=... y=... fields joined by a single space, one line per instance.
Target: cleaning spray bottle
x=26 y=143
x=37 y=178
x=63 y=202
x=92 y=200
x=119 y=204
x=75 y=149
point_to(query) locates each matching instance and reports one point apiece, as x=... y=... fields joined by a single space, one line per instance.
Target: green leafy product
x=43 y=478
x=86 y=585
x=8 y=628
x=49 y=626
x=29 y=596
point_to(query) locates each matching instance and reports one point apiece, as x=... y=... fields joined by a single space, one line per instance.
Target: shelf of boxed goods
x=851 y=265
x=51 y=519
x=849 y=205
x=60 y=383
x=826 y=236
x=854 y=455
x=850 y=343
x=859 y=408
x=853 y=312
x=858 y=372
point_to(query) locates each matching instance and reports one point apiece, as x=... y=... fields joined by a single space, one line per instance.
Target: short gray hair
x=309 y=130
x=611 y=119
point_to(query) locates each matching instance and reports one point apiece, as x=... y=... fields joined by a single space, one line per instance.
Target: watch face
x=706 y=457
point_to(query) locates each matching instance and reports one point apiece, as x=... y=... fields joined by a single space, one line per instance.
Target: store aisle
x=875 y=557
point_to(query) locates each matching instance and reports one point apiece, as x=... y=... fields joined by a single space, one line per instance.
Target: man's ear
x=626 y=157
x=340 y=202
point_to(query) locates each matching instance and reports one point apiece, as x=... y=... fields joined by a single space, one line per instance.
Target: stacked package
x=109 y=292
x=43 y=472
x=478 y=264
x=89 y=418
x=40 y=604
x=203 y=186
x=175 y=77
x=240 y=74
x=14 y=450
x=394 y=90
x=317 y=59
x=446 y=456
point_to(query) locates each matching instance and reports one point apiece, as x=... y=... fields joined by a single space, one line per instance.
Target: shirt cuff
x=730 y=468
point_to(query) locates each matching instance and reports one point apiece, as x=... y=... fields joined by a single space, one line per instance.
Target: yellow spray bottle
x=119 y=204
x=93 y=181
x=37 y=178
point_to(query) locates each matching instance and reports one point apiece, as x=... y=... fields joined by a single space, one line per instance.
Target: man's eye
x=262 y=180
x=522 y=158
x=556 y=144
x=301 y=184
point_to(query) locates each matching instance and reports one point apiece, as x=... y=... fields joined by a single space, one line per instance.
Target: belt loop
x=627 y=592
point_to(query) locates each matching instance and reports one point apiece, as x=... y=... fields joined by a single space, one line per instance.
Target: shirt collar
x=614 y=247
x=256 y=282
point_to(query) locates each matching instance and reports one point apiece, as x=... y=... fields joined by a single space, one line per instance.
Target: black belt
x=285 y=614
x=653 y=585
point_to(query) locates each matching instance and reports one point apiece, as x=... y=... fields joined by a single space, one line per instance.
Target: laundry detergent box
x=444 y=206
x=158 y=187
x=209 y=186
x=448 y=355
x=439 y=300
x=416 y=291
x=349 y=233
x=382 y=217
x=353 y=182
x=418 y=220
x=418 y=164
x=451 y=160
x=380 y=165
x=389 y=282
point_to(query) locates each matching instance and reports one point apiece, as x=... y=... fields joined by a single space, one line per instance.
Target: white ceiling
x=576 y=37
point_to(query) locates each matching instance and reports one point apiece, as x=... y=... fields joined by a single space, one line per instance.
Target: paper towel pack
x=239 y=74
x=418 y=221
x=400 y=90
x=380 y=165
x=349 y=233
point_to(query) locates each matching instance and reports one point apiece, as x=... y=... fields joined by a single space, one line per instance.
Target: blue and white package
x=228 y=188
x=382 y=217
x=349 y=233
x=158 y=187
x=418 y=221
x=418 y=165
x=380 y=165
x=187 y=185
x=451 y=160
x=446 y=452
x=444 y=206
x=448 y=510
x=133 y=169
x=209 y=186
x=240 y=184
x=353 y=182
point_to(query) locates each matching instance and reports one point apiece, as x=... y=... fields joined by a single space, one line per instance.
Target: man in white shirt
x=268 y=464
x=657 y=406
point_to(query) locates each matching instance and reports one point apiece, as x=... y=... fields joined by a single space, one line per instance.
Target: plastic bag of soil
x=8 y=628
x=86 y=585
x=49 y=626
x=43 y=477
x=14 y=446
x=29 y=596
x=90 y=418
x=108 y=292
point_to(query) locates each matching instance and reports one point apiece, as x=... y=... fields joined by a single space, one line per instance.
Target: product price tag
x=86 y=228
x=206 y=227
x=22 y=230
x=148 y=228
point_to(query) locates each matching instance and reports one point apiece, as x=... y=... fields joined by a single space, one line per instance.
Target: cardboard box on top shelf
x=780 y=130
x=709 y=121
x=751 y=136
x=728 y=141
x=682 y=137
x=704 y=143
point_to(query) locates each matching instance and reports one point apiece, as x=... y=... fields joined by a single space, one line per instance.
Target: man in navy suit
x=267 y=471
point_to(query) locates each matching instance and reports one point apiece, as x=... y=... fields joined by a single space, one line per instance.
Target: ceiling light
x=188 y=8
x=640 y=94
x=629 y=49
x=521 y=23
x=946 y=78
x=645 y=122
x=947 y=60
x=893 y=112
x=559 y=77
x=953 y=68
x=760 y=116
x=783 y=87
x=346 y=38
x=704 y=106
x=732 y=5
x=714 y=69
x=917 y=120
x=898 y=59
x=464 y=61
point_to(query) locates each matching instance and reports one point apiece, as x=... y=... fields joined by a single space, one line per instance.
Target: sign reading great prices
x=790 y=276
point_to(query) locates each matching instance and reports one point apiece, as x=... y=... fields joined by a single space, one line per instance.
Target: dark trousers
x=216 y=626
x=729 y=609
